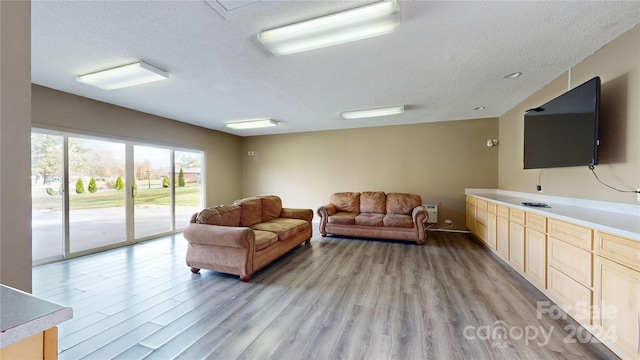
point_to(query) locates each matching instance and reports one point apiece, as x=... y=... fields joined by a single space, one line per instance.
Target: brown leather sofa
x=374 y=214
x=244 y=237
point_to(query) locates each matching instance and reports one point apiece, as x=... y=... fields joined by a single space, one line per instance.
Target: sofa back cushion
x=403 y=204
x=223 y=215
x=346 y=201
x=373 y=202
x=271 y=207
x=251 y=211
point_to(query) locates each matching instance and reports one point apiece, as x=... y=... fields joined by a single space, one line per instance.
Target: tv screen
x=564 y=131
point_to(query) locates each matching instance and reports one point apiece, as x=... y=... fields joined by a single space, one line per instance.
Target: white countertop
x=615 y=218
x=23 y=315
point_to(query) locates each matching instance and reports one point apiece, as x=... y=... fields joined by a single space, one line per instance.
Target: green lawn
x=188 y=195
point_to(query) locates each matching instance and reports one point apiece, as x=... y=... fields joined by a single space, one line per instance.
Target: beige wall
x=57 y=110
x=618 y=65
x=15 y=130
x=434 y=160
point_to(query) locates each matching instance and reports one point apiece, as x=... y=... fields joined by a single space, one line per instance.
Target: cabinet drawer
x=471 y=200
x=536 y=222
x=503 y=211
x=574 y=234
x=492 y=208
x=574 y=296
x=619 y=249
x=516 y=215
x=571 y=260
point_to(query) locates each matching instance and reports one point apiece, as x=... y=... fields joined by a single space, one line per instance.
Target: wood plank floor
x=338 y=298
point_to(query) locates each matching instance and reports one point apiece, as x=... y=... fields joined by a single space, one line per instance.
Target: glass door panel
x=47 y=216
x=152 y=200
x=188 y=193
x=97 y=193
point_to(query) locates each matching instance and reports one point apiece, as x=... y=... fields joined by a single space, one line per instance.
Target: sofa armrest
x=420 y=215
x=229 y=236
x=302 y=214
x=324 y=212
x=327 y=210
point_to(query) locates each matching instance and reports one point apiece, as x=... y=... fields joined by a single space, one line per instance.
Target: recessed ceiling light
x=479 y=108
x=512 y=75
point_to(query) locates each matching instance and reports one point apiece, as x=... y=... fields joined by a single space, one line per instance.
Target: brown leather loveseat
x=244 y=237
x=375 y=214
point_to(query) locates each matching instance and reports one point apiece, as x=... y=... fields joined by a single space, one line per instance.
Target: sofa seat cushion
x=403 y=204
x=223 y=215
x=299 y=223
x=264 y=239
x=284 y=230
x=343 y=218
x=397 y=220
x=370 y=219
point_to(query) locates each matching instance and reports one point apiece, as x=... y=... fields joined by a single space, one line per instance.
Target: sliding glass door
x=47 y=217
x=97 y=212
x=152 y=193
x=92 y=193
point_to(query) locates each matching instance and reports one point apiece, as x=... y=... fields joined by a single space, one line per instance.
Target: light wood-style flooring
x=338 y=298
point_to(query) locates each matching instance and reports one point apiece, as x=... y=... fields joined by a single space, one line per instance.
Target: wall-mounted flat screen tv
x=564 y=131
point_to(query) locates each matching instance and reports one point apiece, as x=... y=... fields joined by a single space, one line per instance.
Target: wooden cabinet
x=593 y=275
x=516 y=246
x=502 y=232
x=570 y=268
x=471 y=214
x=536 y=257
x=516 y=239
x=43 y=345
x=617 y=292
x=481 y=220
x=536 y=248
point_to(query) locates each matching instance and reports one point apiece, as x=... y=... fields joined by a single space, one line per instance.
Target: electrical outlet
x=448 y=222
x=539 y=188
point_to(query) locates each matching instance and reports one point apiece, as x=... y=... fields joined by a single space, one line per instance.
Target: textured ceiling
x=446 y=59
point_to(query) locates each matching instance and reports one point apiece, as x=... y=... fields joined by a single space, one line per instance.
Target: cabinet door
x=503 y=238
x=536 y=259
x=617 y=299
x=492 y=230
x=516 y=246
x=471 y=218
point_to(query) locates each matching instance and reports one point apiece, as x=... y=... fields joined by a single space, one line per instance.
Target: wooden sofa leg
x=308 y=241
x=195 y=270
x=245 y=278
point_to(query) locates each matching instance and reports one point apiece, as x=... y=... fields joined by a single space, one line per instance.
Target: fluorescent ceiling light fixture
x=356 y=24
x=366 y=113
x=124 y=76
x=252 y=124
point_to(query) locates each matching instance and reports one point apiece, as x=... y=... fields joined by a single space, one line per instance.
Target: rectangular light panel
x=366 y=113
x=124 y=76
x=356 y=24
